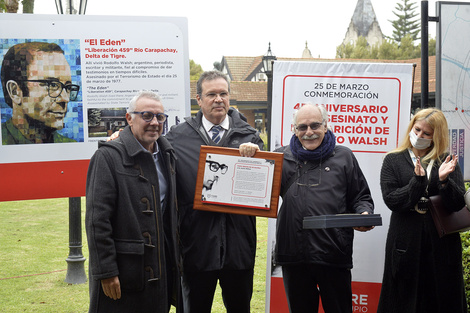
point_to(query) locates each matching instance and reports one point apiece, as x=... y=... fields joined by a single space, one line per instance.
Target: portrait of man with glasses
x=212 y=174
x=37 y=86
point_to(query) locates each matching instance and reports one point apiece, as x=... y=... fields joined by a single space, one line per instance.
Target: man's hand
x=114 y=135
x=248 y=149
x=364 y=228
x=112 y=287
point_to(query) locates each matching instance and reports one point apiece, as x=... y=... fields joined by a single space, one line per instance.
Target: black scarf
x=323 y=151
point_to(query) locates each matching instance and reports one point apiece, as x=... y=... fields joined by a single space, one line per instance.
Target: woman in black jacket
x=423 y=273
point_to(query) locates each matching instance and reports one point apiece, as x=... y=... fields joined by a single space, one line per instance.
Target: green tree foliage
x=401 y=46
x=466 y=263
x=11 y=6
x=432 y=46
x=406 y=22
x=388 y=50
x=28 y=6
x=195 y=70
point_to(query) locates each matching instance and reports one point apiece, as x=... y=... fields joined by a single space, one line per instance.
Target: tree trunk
x=12 y=6
x=28 y=6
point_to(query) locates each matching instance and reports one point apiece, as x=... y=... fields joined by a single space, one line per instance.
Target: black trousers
x=306 y=283
x=199 y=289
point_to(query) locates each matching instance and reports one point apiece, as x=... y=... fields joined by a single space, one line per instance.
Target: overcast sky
x=245 y=27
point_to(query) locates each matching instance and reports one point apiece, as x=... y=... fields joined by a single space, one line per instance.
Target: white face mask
x=419 y=143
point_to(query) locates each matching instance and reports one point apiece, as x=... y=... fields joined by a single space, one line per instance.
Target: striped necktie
x=216 y=133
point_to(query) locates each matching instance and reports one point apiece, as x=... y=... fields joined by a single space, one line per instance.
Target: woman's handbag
x=446 y=221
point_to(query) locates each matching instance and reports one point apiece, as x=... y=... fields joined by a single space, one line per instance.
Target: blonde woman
x=423 y=273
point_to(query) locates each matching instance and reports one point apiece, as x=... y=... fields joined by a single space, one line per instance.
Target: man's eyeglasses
x=213 y=96
x=148 y=116
x=55 y=87
x=313 y=126
x=215 y=166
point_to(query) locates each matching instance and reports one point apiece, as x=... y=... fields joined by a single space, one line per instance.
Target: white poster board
x=111 y=59
x=369 y=109
x=453 y=81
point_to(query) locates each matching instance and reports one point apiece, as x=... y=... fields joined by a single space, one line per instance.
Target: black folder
x=342 y=220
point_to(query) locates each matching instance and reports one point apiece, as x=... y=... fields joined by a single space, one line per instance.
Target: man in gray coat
x=131 y=220
x=216 y=247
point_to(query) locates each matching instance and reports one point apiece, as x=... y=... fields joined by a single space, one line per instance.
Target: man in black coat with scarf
x=318 y=178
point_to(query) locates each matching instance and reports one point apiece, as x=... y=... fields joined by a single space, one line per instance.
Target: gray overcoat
x=129 y=234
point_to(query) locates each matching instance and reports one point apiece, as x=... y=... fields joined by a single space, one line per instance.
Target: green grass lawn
x=34 y=245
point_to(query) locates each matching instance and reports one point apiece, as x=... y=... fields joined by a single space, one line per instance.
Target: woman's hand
x=419 y=170
x=447 y=167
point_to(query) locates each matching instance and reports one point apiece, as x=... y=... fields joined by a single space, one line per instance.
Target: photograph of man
x=212 y=173
x=37 y=86
x=211 y=184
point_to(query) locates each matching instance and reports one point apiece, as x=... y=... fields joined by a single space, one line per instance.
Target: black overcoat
x=416 y=259
x=211 y=240
x=129 y=234
x=336 y=185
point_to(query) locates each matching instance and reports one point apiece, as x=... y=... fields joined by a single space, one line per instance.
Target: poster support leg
x=75 y=260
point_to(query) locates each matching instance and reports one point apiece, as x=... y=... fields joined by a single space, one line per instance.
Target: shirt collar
x=156 y=147
x=208 y=125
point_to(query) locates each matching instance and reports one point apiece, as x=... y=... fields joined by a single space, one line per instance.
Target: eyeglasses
x=213 y=96
x=313 y=126
x=148 y=116
x=215 y=166
x=55 y=87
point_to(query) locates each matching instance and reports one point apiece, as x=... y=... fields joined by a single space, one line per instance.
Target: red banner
x=42 y=180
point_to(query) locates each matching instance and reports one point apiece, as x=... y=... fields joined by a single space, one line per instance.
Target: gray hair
x=210 y=75
x=321 y=107
x=142 y=94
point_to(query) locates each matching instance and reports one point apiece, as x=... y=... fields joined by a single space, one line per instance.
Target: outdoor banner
x=453 y=84
x=369 y=110
x=66 y=84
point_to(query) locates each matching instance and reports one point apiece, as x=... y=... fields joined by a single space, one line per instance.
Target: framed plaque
x=230 y=183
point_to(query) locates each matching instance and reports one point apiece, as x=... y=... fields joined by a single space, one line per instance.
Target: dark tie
x=216 y=133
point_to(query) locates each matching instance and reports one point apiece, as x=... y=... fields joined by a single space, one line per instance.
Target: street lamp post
x=71 y=6
x=268 y=60
x=75 y=260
